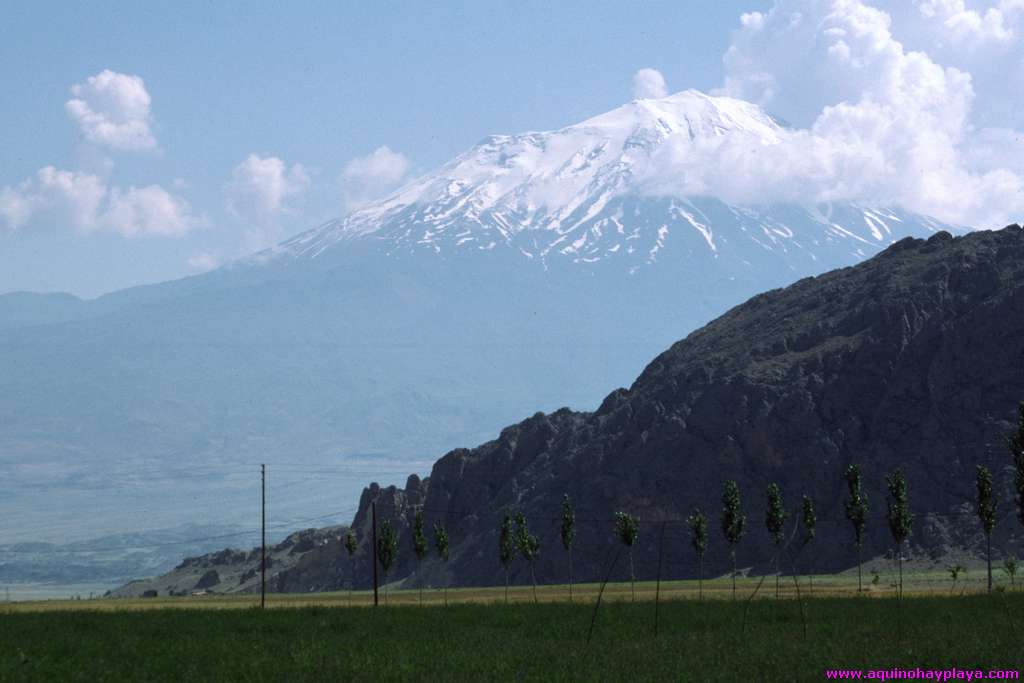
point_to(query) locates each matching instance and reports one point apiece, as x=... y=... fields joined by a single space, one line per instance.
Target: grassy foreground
x=471 y=641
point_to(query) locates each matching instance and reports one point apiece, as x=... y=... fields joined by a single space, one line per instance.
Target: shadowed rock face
x=913 y=359
x=238 y=571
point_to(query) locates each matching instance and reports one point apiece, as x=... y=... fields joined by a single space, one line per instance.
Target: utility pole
x=373 y=510
x=263 y=533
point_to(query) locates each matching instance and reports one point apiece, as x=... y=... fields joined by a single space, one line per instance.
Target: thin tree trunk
x=419 y=564
x=810 y=577
x=446 y=590
x=533 y=577
x=506 y=585
x=352 y=581
x=860 y=561
x=732 y=554
x=899 y=597
x=777 y=550
x=570 y=573
x=700 y=577
x=632 y=576
x=899 y=549
x=988 y=558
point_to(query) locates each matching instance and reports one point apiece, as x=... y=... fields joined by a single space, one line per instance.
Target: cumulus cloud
x=649 y=84
x=260 y=186
x=258 y=192
x=969 y=26
x=365 y=179
x=83 y=202
x=63 y=197
x=146 y=211
x=112 y=110
x=883 y=109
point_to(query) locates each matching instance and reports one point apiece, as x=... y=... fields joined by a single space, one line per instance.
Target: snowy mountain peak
x=690 y=111
x=584 y=192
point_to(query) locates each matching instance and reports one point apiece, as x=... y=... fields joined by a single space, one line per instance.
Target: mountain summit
x=603 y=190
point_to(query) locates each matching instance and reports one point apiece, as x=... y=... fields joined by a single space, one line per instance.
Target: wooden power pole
x=373 y=511
x=263 y=534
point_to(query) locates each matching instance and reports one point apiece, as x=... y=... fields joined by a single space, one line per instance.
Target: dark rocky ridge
x=913 y=359
x=234 y=570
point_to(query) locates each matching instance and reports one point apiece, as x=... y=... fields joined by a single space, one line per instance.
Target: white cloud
x=968 y=26
x=260 y=186
x=57 y=198
x=876 y=119
x=146 y=211
x=649 y=84
x=365 y=179
x=258 y=192
x=752 y=20
x=203 y=262
x=112 y=110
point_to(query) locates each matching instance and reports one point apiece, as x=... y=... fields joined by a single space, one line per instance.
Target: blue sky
x=315 y=84
x=143 y=142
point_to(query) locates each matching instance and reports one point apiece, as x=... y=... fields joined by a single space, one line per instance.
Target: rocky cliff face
x=914 y=359
x=238 y=571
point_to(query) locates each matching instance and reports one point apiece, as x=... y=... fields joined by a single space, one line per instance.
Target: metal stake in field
x=373 y=513
x=263 y=535
x=657 y=590
x=600 y=594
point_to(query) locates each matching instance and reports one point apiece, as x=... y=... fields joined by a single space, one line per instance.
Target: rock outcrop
x=236 y=571
x=914 y=359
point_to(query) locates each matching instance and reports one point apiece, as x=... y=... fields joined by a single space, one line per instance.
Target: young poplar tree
x=954 y=573
x=857 y=513
x=528 y=546
x=441 y=545
x=568 y=531
x=698 y=525
x=350 y=547
x=506 y=549
x=1010 y=567
x=810 y=521
x=734 y=523
x=1016 y=443
x=775 y=520
x=627 y=528
x=899 y=517
x=986 y=509
x=387 y=551
x=419 y=546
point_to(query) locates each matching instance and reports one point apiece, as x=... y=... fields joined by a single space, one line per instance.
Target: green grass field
x=477 y=637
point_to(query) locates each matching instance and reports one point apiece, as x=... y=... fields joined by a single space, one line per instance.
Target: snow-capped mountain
x=592 y=192
x=531 y=272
